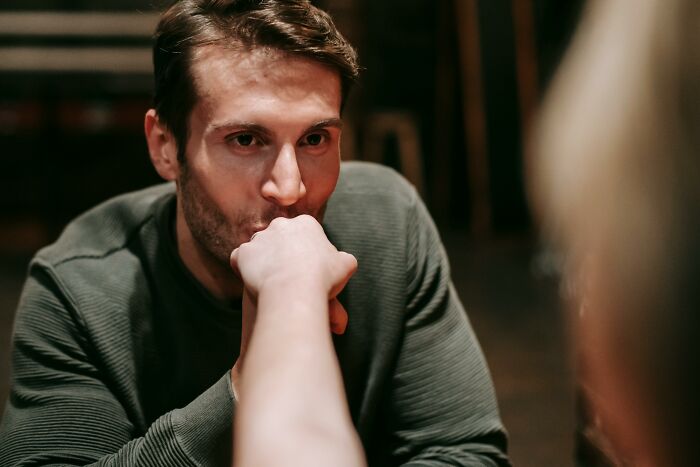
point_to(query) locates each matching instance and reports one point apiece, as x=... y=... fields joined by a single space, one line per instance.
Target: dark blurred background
x=448 y=92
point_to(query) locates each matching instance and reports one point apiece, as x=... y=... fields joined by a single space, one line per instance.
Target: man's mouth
x=265 y=220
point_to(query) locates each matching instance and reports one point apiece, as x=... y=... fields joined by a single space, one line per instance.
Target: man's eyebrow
x=256 y=128
x=328 y=122
x=236 y=125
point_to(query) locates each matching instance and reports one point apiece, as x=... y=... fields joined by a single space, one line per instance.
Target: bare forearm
x=292 y=344
x=292 y=388
x=292 y=407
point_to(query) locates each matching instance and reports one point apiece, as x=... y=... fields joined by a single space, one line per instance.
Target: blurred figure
x=616 y=182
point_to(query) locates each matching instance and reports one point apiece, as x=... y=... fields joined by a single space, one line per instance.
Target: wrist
x=294 y=298
x=294 y=286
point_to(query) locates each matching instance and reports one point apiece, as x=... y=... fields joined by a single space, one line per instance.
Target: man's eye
x=244 y=140
x=314 y=139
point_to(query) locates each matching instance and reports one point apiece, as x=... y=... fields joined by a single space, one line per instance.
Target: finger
x=349 y=260
x=233 y=261
x=347 y=267
x=338 y=317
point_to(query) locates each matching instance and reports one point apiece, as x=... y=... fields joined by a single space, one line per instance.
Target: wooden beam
x=474 y=116
x=526 y=62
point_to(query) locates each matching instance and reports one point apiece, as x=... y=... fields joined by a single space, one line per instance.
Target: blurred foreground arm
x=292 y=407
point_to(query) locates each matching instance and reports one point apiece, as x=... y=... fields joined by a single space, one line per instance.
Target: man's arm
x=292 y=408
x=443 y=403
x=62 y=409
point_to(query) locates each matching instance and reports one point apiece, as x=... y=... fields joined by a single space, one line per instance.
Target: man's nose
x=284 y=185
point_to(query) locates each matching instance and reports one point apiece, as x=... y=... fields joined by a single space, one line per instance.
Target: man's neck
x=218 y=278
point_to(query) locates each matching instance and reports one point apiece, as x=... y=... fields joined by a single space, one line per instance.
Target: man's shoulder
x=360 y=180
x=106 y=227
x=371 y=203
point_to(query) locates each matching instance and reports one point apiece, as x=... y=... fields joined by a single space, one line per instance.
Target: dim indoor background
x=448 y=92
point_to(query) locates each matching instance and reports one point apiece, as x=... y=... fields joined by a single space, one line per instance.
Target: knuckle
x=306 y=219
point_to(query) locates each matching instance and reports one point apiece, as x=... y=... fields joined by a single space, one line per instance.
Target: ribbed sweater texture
x=121 y=358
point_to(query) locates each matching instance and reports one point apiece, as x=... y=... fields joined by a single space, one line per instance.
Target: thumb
x=337 y=316
x=347 y=266
x=233 y=262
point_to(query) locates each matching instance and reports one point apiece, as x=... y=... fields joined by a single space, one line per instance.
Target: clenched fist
x=293 y=251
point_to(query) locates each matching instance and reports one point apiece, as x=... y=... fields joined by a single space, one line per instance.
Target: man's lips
x=262 y=225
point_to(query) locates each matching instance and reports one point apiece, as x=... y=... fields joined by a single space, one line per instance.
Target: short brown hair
x=291 y=26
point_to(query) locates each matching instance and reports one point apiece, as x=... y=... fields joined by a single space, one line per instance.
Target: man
x=131 y=337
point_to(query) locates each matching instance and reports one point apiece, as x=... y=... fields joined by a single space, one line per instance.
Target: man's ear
x=161 y=147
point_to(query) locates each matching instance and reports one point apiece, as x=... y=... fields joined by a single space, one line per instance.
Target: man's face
x=264 y=143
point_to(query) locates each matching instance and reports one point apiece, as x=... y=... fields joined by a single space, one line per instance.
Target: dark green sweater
x=121 y=357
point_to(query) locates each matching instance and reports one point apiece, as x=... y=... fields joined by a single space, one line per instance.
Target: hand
x=295 y=255
x=291 y=256
x=293 y=251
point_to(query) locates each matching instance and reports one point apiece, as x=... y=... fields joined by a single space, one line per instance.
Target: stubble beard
x=213 y=231
x=207 y=224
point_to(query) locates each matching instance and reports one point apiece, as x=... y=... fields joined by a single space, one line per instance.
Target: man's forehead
x=234 y=71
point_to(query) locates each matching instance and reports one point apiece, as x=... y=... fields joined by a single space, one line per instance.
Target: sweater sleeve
x=62 y=411
x=443 y=403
